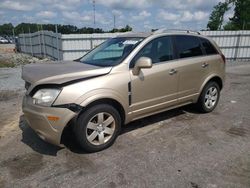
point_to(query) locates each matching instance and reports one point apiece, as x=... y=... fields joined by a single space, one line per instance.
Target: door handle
x=204 y=65
x=172 y=71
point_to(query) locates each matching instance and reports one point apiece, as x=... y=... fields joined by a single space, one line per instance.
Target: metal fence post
x=57 y=44
x=31 y=44
x=237 y=47
x=24 y=39
x=40 y=45
x=91 y=43
x=44 y=47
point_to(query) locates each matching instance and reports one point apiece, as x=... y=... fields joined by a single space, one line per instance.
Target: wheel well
x=68 y=128
x=111 y=102
x=218 y=80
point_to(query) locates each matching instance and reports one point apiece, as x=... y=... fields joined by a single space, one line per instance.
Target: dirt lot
x=179 y=148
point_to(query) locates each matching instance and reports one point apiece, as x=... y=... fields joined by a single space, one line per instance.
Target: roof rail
x=164 y=30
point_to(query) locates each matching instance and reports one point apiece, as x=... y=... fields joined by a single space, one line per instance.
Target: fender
x=98 y=94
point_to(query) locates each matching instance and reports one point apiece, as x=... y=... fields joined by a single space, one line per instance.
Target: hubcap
x=211 y=97
x=100 y=128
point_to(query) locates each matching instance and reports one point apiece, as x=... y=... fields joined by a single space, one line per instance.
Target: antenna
x=114 y=21
x=94 y=11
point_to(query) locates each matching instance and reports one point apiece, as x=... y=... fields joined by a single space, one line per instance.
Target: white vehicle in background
x=3 y=40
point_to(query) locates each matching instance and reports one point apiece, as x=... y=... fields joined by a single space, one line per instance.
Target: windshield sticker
x=130 y=42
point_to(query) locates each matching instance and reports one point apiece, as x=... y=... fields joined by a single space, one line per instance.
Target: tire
x=209 y=97
x=98 y=127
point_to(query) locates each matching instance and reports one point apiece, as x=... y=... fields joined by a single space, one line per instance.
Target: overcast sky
x=142 y=15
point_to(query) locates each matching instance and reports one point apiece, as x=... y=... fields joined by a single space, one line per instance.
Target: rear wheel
x=98 y=127
x=209 y=97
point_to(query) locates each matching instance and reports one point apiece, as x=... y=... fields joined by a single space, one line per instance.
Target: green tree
x=64 y=29
x=6 y=29
x=127 y=28
x=241 y=18
x=216 y=18
x=89 y=30
x=26 y=28
x=229 y=26
x=124 y=29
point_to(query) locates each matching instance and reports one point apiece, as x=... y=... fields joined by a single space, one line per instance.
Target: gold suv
x=125 y=78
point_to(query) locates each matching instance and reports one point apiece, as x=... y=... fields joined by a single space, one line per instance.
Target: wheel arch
x=214 y=78
x=109 y=101
x=218 y=80
x=117 y=105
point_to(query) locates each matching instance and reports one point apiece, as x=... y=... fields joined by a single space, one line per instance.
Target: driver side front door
x=155 y=89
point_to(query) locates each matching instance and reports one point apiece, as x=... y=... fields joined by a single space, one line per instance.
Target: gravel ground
x=7 y=47
x=10 y=79
x=10 y=83
x=8 y=59
x=178 y=148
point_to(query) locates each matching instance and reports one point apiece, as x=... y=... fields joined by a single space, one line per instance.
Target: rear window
x=188 y=46
x=208 y=47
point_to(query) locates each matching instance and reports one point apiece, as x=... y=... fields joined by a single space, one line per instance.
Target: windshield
x=111 y=52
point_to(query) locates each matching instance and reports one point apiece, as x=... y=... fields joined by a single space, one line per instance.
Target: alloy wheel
x=211 y=97
x=100 y=128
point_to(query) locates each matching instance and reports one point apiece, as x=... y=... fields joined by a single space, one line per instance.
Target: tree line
x=9 y=30
x=239 y=21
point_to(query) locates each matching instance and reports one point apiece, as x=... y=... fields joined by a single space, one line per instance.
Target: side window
x=208 y=47
x=159 y=50
x=188 y=46
x=164 y=49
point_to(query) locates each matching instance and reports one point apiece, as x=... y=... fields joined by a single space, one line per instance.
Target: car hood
x=61 y=72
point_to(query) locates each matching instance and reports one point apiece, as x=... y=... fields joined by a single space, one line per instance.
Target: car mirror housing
x=142 y=63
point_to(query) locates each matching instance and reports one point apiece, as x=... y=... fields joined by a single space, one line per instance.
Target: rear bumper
x=37 y=118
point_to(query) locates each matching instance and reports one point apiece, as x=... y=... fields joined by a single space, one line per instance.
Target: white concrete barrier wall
x=76 y=45
x=234 y=44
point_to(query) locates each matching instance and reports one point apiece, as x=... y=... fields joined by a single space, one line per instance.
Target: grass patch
x=6 y=64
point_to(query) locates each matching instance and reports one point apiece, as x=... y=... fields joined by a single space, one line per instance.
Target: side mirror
x=142 y=63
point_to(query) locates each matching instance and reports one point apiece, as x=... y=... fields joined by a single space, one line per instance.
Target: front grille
x=27 y=85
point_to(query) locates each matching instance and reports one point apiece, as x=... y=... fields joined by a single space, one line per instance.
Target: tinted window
x=159 y=50
x=208 y=47
x=188 y=46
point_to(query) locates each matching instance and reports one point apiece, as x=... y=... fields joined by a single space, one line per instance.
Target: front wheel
x=209 y=97
x=97 y=127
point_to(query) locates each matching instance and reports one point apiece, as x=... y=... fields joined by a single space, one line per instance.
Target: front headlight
x=45 y=97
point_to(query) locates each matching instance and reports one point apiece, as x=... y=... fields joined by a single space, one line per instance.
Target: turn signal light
x=53 y=118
